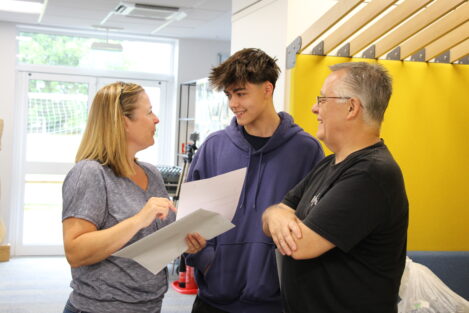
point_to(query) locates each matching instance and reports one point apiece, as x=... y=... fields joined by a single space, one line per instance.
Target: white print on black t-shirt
x=314 y=201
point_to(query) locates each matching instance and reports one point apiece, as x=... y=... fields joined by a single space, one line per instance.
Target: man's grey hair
x=370 y=83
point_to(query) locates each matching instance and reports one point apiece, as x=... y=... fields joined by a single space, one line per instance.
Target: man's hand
x=280 y=222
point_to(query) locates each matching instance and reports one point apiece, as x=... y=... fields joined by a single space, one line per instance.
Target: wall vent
x=147 y=11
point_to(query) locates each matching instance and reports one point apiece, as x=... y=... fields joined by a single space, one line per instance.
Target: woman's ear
x=126 y=123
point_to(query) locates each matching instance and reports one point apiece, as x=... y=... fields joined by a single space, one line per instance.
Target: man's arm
x=311 y=244
x=290 y=235
x=280 y=222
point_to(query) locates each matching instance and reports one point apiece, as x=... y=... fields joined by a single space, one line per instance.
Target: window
x=57 y=114
x=62 y=50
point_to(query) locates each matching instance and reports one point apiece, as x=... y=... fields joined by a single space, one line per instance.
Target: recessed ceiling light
x=21 y=6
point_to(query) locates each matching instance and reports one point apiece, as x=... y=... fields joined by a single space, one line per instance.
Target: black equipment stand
x=190 y=148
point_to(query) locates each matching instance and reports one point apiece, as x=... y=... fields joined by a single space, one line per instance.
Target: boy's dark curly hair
x=245 y=66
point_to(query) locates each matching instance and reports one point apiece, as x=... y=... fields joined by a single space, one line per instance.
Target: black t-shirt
x=255 y=141
x=359 y=205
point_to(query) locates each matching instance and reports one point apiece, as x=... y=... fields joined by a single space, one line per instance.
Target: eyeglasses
x=320 y=100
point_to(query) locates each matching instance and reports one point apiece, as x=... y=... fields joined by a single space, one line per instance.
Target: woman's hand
x=153 y=209
x=85 y=245
x=195 y=243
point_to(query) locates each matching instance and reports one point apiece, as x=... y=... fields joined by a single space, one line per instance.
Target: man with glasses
x=343 y=229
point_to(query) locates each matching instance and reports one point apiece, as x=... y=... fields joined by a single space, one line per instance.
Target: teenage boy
x=237 y=271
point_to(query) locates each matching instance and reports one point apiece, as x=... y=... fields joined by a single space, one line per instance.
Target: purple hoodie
x=237 y=271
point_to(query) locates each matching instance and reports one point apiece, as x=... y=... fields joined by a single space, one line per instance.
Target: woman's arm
x=85 y=245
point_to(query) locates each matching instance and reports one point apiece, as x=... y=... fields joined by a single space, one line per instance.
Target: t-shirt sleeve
x=349 y=211
x=84 y=193
x=293 y=197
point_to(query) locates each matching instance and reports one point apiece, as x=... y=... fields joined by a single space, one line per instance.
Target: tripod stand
x=186 y=282
x=190 y=148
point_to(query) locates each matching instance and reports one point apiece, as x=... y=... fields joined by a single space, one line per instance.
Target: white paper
x=217 y=194
x=155 y=251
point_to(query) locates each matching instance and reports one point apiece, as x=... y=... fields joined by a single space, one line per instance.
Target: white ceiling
x=206 y=19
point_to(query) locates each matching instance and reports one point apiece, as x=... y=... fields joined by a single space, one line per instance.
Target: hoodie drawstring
x=243 y=193
x=259 y=177
x=256 y=183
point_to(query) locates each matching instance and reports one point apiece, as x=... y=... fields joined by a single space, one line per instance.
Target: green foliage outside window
x=61 y=50
x=75 y=52
x=52 y=49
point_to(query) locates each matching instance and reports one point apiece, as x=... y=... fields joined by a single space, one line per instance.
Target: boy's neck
x=265 y=125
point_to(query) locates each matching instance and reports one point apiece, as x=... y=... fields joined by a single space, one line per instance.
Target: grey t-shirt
x=94 y=193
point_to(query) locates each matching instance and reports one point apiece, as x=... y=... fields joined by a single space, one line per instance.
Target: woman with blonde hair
x=110 y=200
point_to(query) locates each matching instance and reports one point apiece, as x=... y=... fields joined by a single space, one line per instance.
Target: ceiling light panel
x=21 y=6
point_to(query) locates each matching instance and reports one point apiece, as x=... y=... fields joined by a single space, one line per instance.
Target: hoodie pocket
x=245 y=271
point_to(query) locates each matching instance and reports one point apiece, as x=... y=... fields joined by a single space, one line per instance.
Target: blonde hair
x=104 y=139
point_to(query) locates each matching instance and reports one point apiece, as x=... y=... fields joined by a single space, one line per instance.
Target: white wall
x=197 y=57
x=303 y=13
x=7 y=105
x=262 y=25
x=271 y=25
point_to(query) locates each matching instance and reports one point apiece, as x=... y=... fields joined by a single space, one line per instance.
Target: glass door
x=54 y=118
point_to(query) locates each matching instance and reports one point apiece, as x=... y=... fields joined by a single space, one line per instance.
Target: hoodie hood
x=286 y=129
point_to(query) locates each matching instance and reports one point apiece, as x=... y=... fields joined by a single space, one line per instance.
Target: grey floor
x=41 y=285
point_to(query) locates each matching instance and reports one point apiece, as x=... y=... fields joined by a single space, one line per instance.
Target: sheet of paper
x=157 y=250
x=218 y=194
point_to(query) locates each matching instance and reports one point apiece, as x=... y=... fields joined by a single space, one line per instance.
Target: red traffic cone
x=190 y=280
x=186 y=283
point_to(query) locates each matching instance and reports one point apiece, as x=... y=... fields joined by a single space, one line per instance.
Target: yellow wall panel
x=426 y=127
